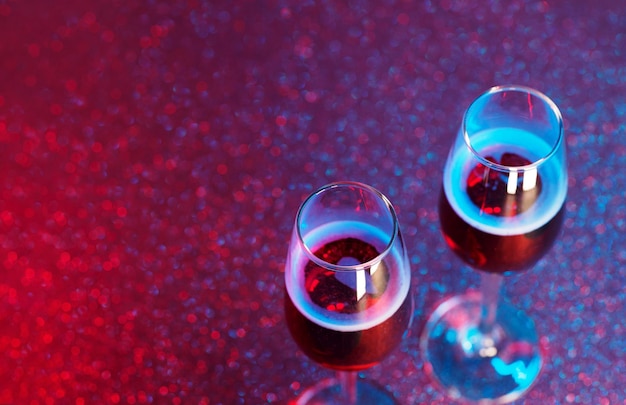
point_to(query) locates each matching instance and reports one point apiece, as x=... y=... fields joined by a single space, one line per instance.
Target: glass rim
x=352 y=267
x=520 y=89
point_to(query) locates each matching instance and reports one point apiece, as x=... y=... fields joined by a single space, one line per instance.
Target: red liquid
x=496 y=253
x=337 y=349
x=487 y=189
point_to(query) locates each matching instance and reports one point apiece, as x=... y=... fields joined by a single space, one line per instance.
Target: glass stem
x=347 y=379
x=490 y=286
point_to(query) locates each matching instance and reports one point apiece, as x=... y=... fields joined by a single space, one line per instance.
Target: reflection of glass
x=347 y=279
x=501 y=209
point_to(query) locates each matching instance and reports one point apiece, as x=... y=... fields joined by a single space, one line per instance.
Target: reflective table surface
x=153 y=155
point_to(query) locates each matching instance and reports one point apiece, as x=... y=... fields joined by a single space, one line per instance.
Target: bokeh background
x=153 y=155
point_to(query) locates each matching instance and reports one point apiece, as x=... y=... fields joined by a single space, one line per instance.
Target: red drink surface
x=488 y=191
x=345 y=350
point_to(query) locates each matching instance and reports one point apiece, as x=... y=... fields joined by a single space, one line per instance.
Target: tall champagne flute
x=501 y=209
x=347 y=279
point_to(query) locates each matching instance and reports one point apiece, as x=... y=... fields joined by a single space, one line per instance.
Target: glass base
x=329 y=391
x=475 y=366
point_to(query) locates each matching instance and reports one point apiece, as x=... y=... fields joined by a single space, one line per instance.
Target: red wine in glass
x=497 y=252
x=347 y=284
x=499 y=222
x=501 y=208
x=336 y=295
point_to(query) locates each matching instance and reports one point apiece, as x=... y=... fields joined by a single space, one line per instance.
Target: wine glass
x=501 y=208
x=347 y=279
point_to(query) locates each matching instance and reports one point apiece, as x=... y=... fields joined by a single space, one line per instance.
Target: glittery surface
x=154 y=153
